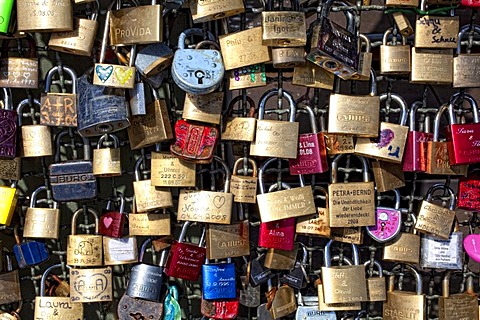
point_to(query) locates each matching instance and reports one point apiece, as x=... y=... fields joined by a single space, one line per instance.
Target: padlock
x=281 y=259
x=55 y=307
x=9 y=282
x=403 y=24
x=117 y=251
x=351 y=204
x=203 y=11
x=394 y=59
x=59 y=109
x=106 y=161
x=312 y=152
x=203 y=107
x=32 y=17
x=41 y=222
x=316 y=224
x=146 y=279
x=284 y=58
x=136 y=24
x=459 y=305
x=297 y=277
x=8 y=203
x=466 y=66
x=151 y=128
x=387 y=221
x=415 y=155
x=463 y=139
x=8 y=119
x=282 y=301
x=282 y=144
x=36 y=138
x=278 y=234
x=244 y=187
x=243 y=48
x=468 y=194
x=355 y=114
x=405 y=247
x=129 y=307
x=112 y=222
x=137 y=97
x=149 y=223
x=100 y=110
x=79 y=41
x=311 y=75
x=29 y=253
x=333 y=47
x=153 y=59
x=308 y=309
x=343 y=283
x=376 y=286
x=434 y=251
x=147 y=196
x=220 y=309
x=85 y=249
x=249 y=295
x=197 y=71
x=185 y=260
x=364 y=60
x=284 y=28
x=337 y=143
x=432 y=66
x=410 y=304
x=434 y=219
x=73 y=179
x=91 y=285
x=10 y=169
x=290 y=203
x=170 y=171
x=239 y=128
x=19 y=72
x=218 y=280
x=228 y=241
x=258 y=272
x=388 y=175
x=207 y=206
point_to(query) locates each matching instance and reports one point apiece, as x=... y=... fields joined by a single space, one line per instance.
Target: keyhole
x=137 y=316
x=200 y=75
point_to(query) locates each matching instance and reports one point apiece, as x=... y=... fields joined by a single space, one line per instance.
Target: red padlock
x=220 y=309
x=463 y=139
x=185 y=260
x=470 y=3
x=312 y=152
x=468 y=196
x=415 y=155
x=194 y=142
x=112 y=222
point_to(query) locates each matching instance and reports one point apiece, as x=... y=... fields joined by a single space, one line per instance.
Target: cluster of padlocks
x=279 y=233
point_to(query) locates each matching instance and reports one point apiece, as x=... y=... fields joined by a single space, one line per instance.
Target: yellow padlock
x=7 y=204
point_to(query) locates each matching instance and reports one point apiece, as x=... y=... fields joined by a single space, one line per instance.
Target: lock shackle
x=106 y=29
x=45 y=276
x=349 y=15
x=360 y=314
x=58 y=140
x=411 y=269
x=226 y=187
x=207 y=43
x=7 y=103
x=77 y=213
x=116 y=141
x=336 y=160
x=123 y=59
x=368 y=44
x=311 y=116
x=143 y=249
x=122 y=202
x=183 y=233
x=412 y=114
x=388 y=32
x=95 y=10
x=261 y=184
x=249 y=160
x=283 y=186
x=250 y=102
x=348 y=261
x=446 y=284
x=18 y=239
x=304 y=254
x=33 y=199
x=138 y=163
x=327 y=257
x=51 y=73
x=397 y=198
x=401 y=102
x=377 y=265
x=192 y=32
x=471 y=101
x=461 y=34
x=444 y=187
x=274 y=93
x=438 y=120
x=24 y=103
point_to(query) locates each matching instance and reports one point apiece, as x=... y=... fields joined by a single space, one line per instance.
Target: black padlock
x=297 y=277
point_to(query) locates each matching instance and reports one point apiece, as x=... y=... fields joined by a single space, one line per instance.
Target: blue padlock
x=218 y=280
x=29 y=253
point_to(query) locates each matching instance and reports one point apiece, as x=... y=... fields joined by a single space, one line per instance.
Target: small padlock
x=248 y=77
x=36 y=138
x=394 y=59
x=31 y=17
x=8 y=203
x=149 y=223
x=434 y=250
x=258 y=272
x=403 y=24
x=41 y=222
x=29 y=253
x=244 y=187
x=297 y=277
x=203 y=11
x=376 y=286
x=218 y=280
x=85 y=249
x=10 y=169
x=239 y=128
x=137 y=97
x=387 y=221
x=405 y=247
x=112 y=222
x=20 y=72
x=8 y=119
x=220 y=309
x=153 y=59
x=459 y=305
x=106 y=161
x=364 y=60
x=7 y=27
x=281 y=259
x=129 y=308
x=284 y=58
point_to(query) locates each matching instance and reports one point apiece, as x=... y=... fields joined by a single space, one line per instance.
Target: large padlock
x=218 y=280
x=459 y=305
x=239 y=128
x=136 y=24
x=129 y=307
x=106 y=161
x=19 y=72
x=207 y=206
x=112 y=222
x=59 y=109
x=91 y=285
x=55 y=308
x=8 y=119
x=411 y=304
x=442 y=254
x=312 y=152
x=284 y=28
x=343 y=283
x=9 y=198
x=387 y=221
x=73 y=179
x=85 y=249
x=153 y=59
x=171 y=171
x=405 y=247
x=394 y=59
x=226 y=241
x=45 y=16
x=197 y=71
x=41 y=222
x=434 y=219
x=203 y=11
x=147 y=196
x=316 y=224
x=376 y=286
x=80 y=40
x=275 y=138
x=29 y=253
x=244 y=187
x=466 y=66
x=308 y=309
x=355 y=114
x=36 y=138
x=351 y=204
x=463 y=139
x=146 y=279
x=185 y=260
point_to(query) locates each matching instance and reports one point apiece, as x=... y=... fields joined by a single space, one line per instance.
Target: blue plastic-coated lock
x=219 y=280
x=29 y=253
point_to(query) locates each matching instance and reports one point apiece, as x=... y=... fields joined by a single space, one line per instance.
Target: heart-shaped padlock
x=387 y=222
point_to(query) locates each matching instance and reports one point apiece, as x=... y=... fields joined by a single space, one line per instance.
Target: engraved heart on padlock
x=27 y=75
x=16 y=74
x=7 y=130
x=218 y=201
x=107 y=221
x=123 y=75
x=92 y=291
x=103 y=73
x=471 y=243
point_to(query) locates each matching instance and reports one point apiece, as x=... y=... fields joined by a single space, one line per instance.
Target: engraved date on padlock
x=205 y=206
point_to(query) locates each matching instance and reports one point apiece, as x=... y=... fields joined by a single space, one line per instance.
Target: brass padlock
x=364 y=60
x=149 y=223
x=432 y=66
x=466 y=66
x=388 y=175
x=436 y=32
x=91 y=285
x=405 y=247
x=41 y=222
x=203 y=107
x=19 y=72
x=244 y=187
x=239 y=128
x=312 y=76
x=394 y=59
x=337 y=143
x=281 y=259
x=45 y=16
x=120 y=250
x=376 y=286
x=283 y=301
x=170 y=171
x=248 y=77
x=106 y=161
x=316 y=224
x=460 y=305
x=203 y=11
x=228 y=241
x=284 y=28
x=284 y=58
x=403 y=24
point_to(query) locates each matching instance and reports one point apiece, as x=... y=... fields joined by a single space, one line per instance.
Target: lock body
x=91 y=285
x=415 y=156
x=185 y=261
x=72 y=180
x=42 y=223
x=462 y=146
x=79 y=41
x=31 y=17
x=219 y=281
x=312 y=155
x=277 y=234
x=145 y=282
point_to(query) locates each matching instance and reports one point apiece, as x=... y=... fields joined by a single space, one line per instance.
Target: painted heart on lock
x=107 y=221
x=7 y=130
x=123 y=75
x=471 y=243
x=103 y=73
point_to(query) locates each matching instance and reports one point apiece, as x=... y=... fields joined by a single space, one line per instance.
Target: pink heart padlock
x=471 y=243
x=387 y=224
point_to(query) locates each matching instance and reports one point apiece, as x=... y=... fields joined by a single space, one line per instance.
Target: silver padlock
x=308 y=309
x=137 y=102
x=442 y=254
x=152 y=59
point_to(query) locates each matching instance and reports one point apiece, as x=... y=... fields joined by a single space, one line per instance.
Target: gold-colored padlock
x=45 y=16
x=41 y=223
x=394 y=59
x=436 y=32
x=205 y=10
x=403 y=24
x=106 y=161
x=288 y=57
x=91 y=285
x=312 y=76
x=376 y=286
x=432 y=66
x=284 y=28
x=19 y=72
x=239 y=128
x=170 y=171
x=388 y=175
x=460 y=305
x=466 y=67
x=281 y=259
x=203 y=107
x=244 y=187
x=248 y=77
x=228 y=241
x=316 y=224
x=149 y=223
x=284 y=301
x=405 y=247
